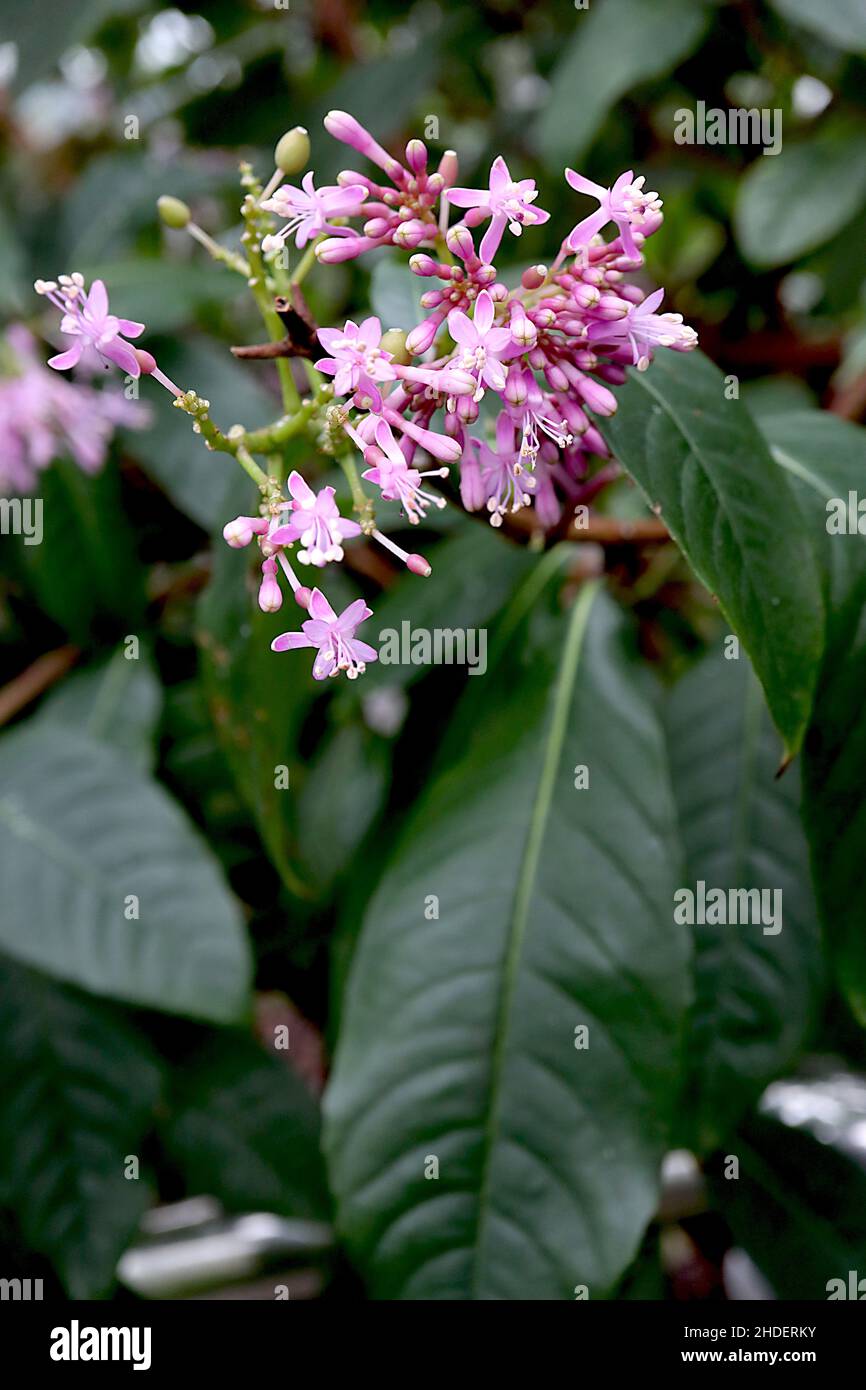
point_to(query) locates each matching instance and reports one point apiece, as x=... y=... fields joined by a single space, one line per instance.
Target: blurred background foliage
x=104 y=106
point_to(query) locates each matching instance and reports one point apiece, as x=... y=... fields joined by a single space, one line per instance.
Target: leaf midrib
x=571 y=652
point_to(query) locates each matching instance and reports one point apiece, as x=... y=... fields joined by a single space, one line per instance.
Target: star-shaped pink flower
x=334 y=637
x=87 y=321
x=507 y=202
x=307 y=210
x=315 y=521
x=482 y=347
x=626 y=204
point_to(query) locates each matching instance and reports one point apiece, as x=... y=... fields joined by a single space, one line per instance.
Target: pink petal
x=651 y=303
x=62 y=360
x=290 y=641
x=468 y=197
x=319 y=607
x=354 y=615
x=299 y=487
x=483 y=317
x=499 y=175
x=492 y=237
x=97 y=300
x=130 y=328
x=582 y=185
x=122 y=356
x=462 y=329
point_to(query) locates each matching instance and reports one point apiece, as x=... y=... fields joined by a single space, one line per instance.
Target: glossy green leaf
x=757 y=988
x=610 y=48
x=705 y=469
x=459 y=1042
x=823 y=459
x=78 y=1094
x=771 y=226
x=82 y=832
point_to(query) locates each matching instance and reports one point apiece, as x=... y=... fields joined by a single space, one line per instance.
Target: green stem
x=219 y=253
x=363 y=503
x=249 y=465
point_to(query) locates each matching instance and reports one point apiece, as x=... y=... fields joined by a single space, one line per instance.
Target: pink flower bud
x=270 y=595
x=586 y=296
x=556 y=377
x=459 y=242
x=515 y=386
x=239 y=532
x=421 y=338
x=342 y=248
x=303 y=596
x=423 y=265
x=411 y=233
x=449 y=168
x=610 y=307
x=146 y=361
x=377 y=227
x=597 y=397
x=418 y=565
x=467 y=410
x=416 y=156
x=534 y=277
x=345 y=128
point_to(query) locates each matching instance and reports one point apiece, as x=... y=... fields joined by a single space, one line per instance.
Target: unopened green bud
x=173 y=212
x=292 y=153
x=394 y=341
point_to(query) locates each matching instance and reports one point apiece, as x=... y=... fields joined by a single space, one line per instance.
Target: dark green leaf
x=244 y=1129
x=823 y=458
x=757 y=991
x=79 y=1089
x=81 y=830
x=706 y=470
x=459 y=1039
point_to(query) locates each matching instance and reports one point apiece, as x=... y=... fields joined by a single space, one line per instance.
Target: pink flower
x=334 y=637
x=315 y=521
x=88 y=322
x=500 y=482
x=307 y=210
x=483 y=346
x=626 y=204
x=644 y=330
x=43 y=415
x=507 y=202
x=398 y=482
x=355 y=354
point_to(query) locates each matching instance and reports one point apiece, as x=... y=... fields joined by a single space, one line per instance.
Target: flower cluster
x=43 y=415
x=543 y=354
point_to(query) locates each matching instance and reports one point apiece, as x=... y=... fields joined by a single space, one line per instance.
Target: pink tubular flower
x=86 y=319
x=644 y=330
x=507 y=202
x=398 y=482
x=315 y=521
x=307 y=210
x=504 y=485
x=625 y=204
x=334 y=637
x=355 y=354
x=482 y=346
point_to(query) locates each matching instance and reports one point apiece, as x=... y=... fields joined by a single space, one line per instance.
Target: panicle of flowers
x=543 y=352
